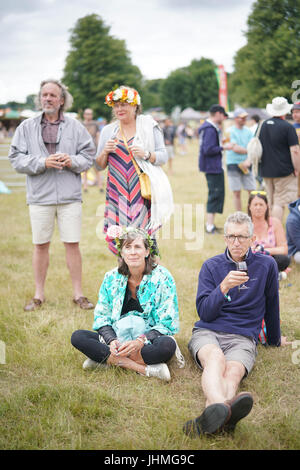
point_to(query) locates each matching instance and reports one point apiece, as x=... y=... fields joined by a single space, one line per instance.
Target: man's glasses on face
x=239 y=238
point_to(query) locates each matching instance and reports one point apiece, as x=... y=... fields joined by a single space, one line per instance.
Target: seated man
x=231 y=305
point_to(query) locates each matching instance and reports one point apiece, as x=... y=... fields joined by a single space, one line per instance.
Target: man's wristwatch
x=147 y=155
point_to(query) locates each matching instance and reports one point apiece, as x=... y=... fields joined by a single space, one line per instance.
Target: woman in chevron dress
x=141 y=134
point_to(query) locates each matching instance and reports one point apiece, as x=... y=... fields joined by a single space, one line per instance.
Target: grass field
x=47 y=401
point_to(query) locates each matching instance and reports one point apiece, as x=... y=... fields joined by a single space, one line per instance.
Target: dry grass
x=49 y=402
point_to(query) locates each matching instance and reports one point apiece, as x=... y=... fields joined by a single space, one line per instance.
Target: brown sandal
x=84 y=303
x=33 y=304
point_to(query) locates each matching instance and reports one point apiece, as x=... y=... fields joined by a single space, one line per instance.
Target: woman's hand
x=130 y=347
x=114 y=347
x=138 y=152
x=110 y=146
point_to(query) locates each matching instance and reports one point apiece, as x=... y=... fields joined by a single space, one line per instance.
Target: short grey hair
x=239 y=218
x=65 y=94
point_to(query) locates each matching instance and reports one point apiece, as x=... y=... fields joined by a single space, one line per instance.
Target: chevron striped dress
x=124 y=204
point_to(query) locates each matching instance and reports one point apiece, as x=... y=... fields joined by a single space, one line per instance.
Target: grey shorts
x=170 y=151
x=238 y=180
x=235 y=347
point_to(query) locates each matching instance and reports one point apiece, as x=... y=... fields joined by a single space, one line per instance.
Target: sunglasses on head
x=263 y=193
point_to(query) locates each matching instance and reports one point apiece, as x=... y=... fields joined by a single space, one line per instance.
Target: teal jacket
x=157 y=296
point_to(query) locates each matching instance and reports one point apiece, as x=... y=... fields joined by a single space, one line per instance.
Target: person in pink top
x=269 y=231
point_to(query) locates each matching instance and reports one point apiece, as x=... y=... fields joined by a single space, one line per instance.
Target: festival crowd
x=136 y=318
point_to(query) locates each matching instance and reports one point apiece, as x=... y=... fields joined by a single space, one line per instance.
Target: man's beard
x=50 y=111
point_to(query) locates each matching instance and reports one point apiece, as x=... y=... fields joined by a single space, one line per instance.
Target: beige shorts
x=282 y=191
x=42 y=220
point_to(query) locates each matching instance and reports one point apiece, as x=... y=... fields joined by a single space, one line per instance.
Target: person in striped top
x=143 y=137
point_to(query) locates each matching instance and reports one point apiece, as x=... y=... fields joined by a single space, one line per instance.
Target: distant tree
x=269 y=63
x=14 y=105
x=205 y=88
x=176 y=90
x=96 y=63
x=30 y=102
x=151 y=93
x=194 y=86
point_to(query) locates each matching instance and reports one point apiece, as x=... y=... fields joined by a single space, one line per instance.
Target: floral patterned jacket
x=157 y=296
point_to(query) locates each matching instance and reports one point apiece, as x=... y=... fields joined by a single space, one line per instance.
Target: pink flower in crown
x=114 y=231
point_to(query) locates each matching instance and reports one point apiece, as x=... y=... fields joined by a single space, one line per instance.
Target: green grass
x=47 y=401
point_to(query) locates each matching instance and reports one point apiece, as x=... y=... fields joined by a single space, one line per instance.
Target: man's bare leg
x=40 y=264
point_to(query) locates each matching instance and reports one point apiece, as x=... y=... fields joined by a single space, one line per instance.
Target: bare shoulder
x=276 y=222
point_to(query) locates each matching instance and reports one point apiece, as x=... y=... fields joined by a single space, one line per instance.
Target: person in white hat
x=280 y=162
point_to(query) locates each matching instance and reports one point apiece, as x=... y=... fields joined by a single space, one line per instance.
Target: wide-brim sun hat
x=279 y=107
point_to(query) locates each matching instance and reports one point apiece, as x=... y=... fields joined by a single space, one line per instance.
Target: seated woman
x=269 y=232
x=136 y=313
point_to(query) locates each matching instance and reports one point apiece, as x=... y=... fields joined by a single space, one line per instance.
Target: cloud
x=204 y=4
x=21 y=6
x=161 y=36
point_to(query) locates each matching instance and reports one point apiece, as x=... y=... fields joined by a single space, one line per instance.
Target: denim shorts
x=235 y=347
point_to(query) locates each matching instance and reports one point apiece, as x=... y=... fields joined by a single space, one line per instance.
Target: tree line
x=97 y=62
x=265 y=67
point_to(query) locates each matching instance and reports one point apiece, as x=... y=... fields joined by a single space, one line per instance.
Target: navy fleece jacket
x=244 y=313
x=210 y=151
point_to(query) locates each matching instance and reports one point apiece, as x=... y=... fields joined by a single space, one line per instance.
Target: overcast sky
x=161 y=35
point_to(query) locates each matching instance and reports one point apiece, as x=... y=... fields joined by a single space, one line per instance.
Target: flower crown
x=118 y=233
x=123 y=94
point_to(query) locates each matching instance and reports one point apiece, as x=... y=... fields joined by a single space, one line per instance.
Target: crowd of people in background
x=137 y=315
x=275 y=187
x=6 y=132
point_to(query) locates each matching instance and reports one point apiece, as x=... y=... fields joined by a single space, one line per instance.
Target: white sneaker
x=161 y=371
x=282 y=276
x=89 y=364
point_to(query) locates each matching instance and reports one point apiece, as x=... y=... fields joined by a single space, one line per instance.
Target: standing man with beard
x=53 y=150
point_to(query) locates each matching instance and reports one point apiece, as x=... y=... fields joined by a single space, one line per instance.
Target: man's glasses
x=239 y=238
x=263 y=193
